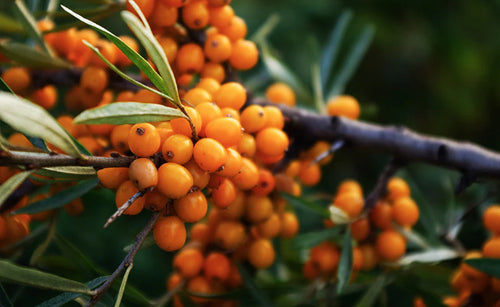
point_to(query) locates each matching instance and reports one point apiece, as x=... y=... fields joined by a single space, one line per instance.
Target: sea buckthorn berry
x=253 y=118
x=143 y=173
x=200 y=177
x=164 y=15
x=261 y=253
x=165 y=131
x=248 y=177
x=146 y=7
x=320 y=148
x=208 y=111
x=266 y=183
x=175 y=3
x=281 y=93
x=271 y=141
x=225 y=130
x=289 y=225
x=309 y=173
x=360 y=229
x=216 y=267
x=199 y=284
x=119 y=138
x=17 y=139
x=208 y=84
x=188 y=262
x=177 y=148
x=405 y=212
x=221 y=17
x=491 y=219
x=397 y=188
x=491 y=248
x=195 y=15
x=200 y=233
x=350 y=203
x=310 y=271
x=357 y=259
x=325 y=257
x=247 y=146
x=182 y=126
x=237 y=209
x=390 y=245
x=90 y=144
x=232 y=165
x=231 y=95
x=17 y=78
x=370 y=257
x=343 y=105
x=270 y=228
x=229 y=235
x=143 y=140
x=231 y=113
x=146 y=96
x=155 y=200
x=381 y=215
x=112 y=177
x=169 y=46
x=217 y=48
x=350 y=186
x=258 y=208
x=192 y=207
x=169 y=233
x=274 y=117
x=244 y=55
x=236 y=30
x=213 y=70
x=269 y=160
x=197 y=96
x=218 y=3
x=224 y=194
x=209 y=154
x=190 y=58
x=174 y=180
x=45 y=97
x=123 y=193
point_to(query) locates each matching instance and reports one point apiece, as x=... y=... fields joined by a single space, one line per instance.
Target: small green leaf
x=351 y=64
x=60 y=199
x=4 y=87
x=302 y=203
x=38 y=143
x=35 y=278
x=433 y=255
x=130 y=53
x=310 y=239
x=29 y=118
x=252 y=287
x=4 y=298
x=120 y=113
x=122 y=286
x=30 y=26
x=148 y=242
x=332 y=47
x=265 y=29
x=68 y=172
x=42 y=248
x=489 y=266
x=70 y=251
x=67 y=297
x=11 y=185
x=9 y=25
x=30 y=57
x=345 y=262
x=373 y=292
x=318 y=89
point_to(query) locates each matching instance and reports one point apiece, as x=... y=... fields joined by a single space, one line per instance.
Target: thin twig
x=380 y=187
x=124 y=207
x=161 y=301
x=99 y=292
x=34 y=160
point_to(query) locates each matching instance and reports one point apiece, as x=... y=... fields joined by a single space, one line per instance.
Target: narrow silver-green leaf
x=265 y=29
x=249 y=283
x=489 y=266
x=345 y=263
x=42 y=248
x=122 y=286
x=124 y=75
x=30 y=26
x=371 y=295
x=305 y=204
x=67 y=297
x=130 y=53
x=317 y=89
x=68 y=172
x=4 y=87
x=433 y=255
x=351 y=64
x=143 y=18
x=9 y=25
x=35 y=278
x=11 y=185
x=60 y=199
x=333 y=46
x=155 y=52
x=120 y=113
x=30 y=57
x=313 y=238
x=29 y=118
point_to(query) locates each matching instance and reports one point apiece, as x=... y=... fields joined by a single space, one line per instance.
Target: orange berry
x=169 y=46
x=197 y=96
x=253 y=118
x=119 y=138
x=175 y=3
x=143 y=173
x=236 y=30
x=123 y=193
x=247 y=146
x=270 y=228
x=208 y=111
x=491 y=248
x=221 y=17
x=261 y=253
x=164 y=15
x=231 y=95
x=209 y=154
x=190 y=59
x=468 y=271
x=397 y=188
x=350 y=186
x=224 y=194
x=289 y=225
x=182 y=126
x=146 y=6
x=258 y=208
x=357 y=259
x=200 y=177
x=208 y=84
x=370 y=257
x=310 y=271
x=199 y=232
x=244 y=55
x=216 y=267
x=325 y=257
x=274 y=117
x=94 y=79
x=309 y=173
x=491 y=219
x=360 y=229
x=147 y=96
x=233 y=164
x=248 y=177
x=217 y=48
x=229 y=235
x=45 y=97
x=195 y=15
x=188 y=262
x=390 y=245
x=143 y=139
x=381 y=215
x=213 y=70
x=271 y=141
x=112 y=177
x=17 y=78
x=155 y=200
x=192 y=207
x=177 y=148
x=405 y=212
x=174 y=180
x=350 y=203
x=218 y=3
x=232 y=113
x=199 y=284
x=237 y=209
x=225 y=130
x=169 y=233
x=266 y=183
x=281 y=93
x=343 y=105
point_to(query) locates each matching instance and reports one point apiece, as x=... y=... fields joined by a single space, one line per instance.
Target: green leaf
x=433 y=255
x=355 y=56
x=42 y=248
x=38 y=143
x=29 y=118
x=345 y=262
x=489 y=266
x=317 y=89
x=302 y=203
x=252 y=287
x=30 y=26
x=60 y=199
x=9 y=25
x=67 y=297
x=11 y=185
x=35 y=278
x=311 y=239
x=265 y=29
x=122 y=286
x=120 y=113
x=68 y=172
x=4 y=87
x=4 y=298
x=331 y=50
x=30 y=57
x=130 y=53
x=148 y=242
x=155 y=52
x=70 y=251
x=373 y=292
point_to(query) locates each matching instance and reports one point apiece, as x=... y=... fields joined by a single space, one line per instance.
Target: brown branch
x=127 y=261
x=379 y=190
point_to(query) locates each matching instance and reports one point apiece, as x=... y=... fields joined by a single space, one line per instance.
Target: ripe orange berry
x=218 y=3
x=182 y=126
x=195 y=15
x=146 y=6
x=236 y=210
x=164 y=15
x=248 y=177
x=213 y=70
x=45 y=97
x=224 y=194
x=217 y=48
x=360 y=229
x=221 y=17
x=229 y=235
x=405 y=211
x=281 y=93
x=94 y=79
x=143 y=173
x=209 y=154
x=177 y=148
x=491 y=248
x=289 y=225
x=236 y=30
x=197 y=96
x=390 y=245
x=381 y=215
x=350 y=203
x=258 y=208
x=175 y=3
x=310 y=271
x=274 y=117
x=225 y=130
x=123 y=193
x=208 y=111
x=230 y=112
x=325 y=257
x=253 y=118
x=169 y=233
x=192 y=207
x=17 y=78
x=309 y=173
x=343 y=105
x=143 y=139
x=200 y=177
x=200 y=233
x=199 y=284
x=169 y=46
x=244 y=55
x=216 y=267
x=357 y=259
x=188 y=262
x=230 y=95
x=491 y=219
x=350 y=186
x=266 y=183
x=233 y=164
x=208 y=84
x=270 y=228
x=174 y=180
x=146 y=96
x=247 y=146
x=155 y=200
x=261 y=253
x=370 y=257
x=271 y=141
x=190 y=59
x=119 y=138
x=397 y=188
